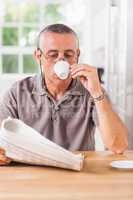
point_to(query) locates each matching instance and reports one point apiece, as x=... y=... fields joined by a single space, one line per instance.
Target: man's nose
x=61 y=56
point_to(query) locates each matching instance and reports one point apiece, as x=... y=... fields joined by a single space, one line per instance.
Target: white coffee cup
x=62 y=69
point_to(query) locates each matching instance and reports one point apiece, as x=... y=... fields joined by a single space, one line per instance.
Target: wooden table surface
x=97 y=180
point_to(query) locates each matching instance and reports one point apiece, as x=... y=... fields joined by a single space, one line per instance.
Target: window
x=20 y=22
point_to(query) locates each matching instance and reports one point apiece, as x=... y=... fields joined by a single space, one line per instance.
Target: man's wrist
x=99 y=96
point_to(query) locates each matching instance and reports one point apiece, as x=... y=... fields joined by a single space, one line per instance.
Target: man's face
x=55 y=47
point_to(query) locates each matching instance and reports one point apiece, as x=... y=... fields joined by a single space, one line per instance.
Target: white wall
x=98 y=31
x=98 y=26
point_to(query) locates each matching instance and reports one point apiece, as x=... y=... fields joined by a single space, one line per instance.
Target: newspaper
x=24 y=144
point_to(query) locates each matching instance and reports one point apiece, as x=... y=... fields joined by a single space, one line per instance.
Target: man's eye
x=68 y=55
x=55 y=55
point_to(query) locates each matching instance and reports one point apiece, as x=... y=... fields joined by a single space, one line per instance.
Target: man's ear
x=37 y=54
x=78 y=54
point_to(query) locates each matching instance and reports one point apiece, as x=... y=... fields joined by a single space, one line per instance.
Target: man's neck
x=57 y=89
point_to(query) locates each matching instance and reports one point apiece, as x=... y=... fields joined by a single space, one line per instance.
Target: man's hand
x=3 y=159
x=88 y=76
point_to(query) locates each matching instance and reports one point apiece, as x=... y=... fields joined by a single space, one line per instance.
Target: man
x=65 y=111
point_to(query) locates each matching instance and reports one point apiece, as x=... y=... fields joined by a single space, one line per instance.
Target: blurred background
x=104 y=27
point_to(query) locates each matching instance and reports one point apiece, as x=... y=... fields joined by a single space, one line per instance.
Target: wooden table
x=97 y=181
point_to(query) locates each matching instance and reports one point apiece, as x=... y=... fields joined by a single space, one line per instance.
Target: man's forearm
x=113 y=130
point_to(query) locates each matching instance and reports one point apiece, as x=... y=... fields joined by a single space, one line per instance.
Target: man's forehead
x=58 y=39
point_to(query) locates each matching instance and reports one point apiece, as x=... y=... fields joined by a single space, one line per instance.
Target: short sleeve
x=8 y=105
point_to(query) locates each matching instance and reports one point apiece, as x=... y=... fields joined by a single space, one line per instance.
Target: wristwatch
x=100 y=97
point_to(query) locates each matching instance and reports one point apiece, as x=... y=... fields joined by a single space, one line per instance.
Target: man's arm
x=113 y=130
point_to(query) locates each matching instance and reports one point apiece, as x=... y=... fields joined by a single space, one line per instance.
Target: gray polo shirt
x=70 y=122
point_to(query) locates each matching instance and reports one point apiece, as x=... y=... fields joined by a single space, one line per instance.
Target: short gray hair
x=56 y=28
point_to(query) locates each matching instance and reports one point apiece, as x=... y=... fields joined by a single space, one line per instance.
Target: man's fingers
x=80 y=73
x=73 y=71
x=4 y=160
x=84 y=66
x=2 y=151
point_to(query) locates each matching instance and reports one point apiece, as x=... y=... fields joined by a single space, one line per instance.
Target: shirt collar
x=75 y=87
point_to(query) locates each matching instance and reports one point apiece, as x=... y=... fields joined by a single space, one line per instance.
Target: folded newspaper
x=24 y=144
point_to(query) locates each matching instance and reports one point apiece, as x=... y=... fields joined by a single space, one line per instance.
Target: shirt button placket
x=55 y=110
